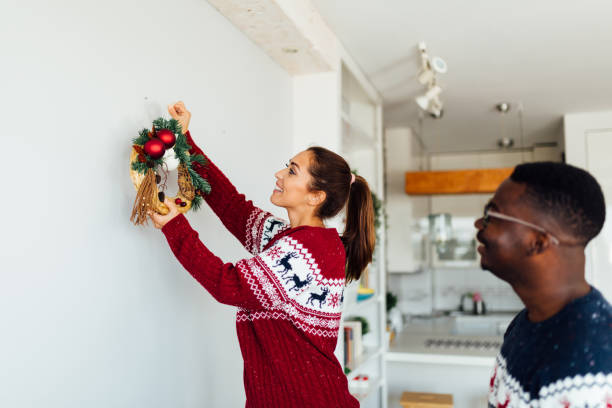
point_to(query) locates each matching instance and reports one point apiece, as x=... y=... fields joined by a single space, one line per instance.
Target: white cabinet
x=588 y=144
x=361 y=145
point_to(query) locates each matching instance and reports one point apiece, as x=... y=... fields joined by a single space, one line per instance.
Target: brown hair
x=332 y=174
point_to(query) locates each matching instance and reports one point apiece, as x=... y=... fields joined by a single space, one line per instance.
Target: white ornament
x=170 y=159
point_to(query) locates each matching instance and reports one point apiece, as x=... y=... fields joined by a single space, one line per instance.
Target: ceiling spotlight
x=439 y=65
x=424 y=101
x=430 y=101
x=505 y=143
x=436 y=111
x=503 y=107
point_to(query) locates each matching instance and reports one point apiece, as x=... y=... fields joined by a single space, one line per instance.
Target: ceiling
x=550 y=56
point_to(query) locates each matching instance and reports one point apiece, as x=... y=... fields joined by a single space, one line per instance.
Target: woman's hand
x=160 y=220
x=179 y=112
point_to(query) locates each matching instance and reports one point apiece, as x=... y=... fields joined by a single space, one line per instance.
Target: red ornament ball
x=155 y=148
x=167 y=137
x=178 y=201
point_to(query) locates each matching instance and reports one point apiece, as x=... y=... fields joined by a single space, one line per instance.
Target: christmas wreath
x=158 y=151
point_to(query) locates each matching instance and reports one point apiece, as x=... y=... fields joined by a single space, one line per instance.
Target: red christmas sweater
x=289 y=297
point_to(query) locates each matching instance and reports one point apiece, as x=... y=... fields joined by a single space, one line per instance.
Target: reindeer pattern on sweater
x=287 y=278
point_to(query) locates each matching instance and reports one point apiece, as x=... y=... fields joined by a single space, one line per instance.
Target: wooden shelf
x=455 y=181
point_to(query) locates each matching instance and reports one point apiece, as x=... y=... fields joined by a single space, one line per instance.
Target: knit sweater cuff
x=176 y=229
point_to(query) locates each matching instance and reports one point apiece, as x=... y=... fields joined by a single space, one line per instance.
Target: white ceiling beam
x=291 y=32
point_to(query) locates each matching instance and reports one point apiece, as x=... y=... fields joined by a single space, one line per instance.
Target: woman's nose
x=479 y=224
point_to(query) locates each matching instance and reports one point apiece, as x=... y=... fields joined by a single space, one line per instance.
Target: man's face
x=504 y=244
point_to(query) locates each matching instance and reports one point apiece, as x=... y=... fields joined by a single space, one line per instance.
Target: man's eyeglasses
x=488 y=214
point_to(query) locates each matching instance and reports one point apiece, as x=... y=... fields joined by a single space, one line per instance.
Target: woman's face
x=292 y=183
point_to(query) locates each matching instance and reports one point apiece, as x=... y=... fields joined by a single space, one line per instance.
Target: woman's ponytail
x=332 y=174
x=359 y=236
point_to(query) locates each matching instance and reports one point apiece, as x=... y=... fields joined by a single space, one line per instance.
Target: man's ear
x=539 y=244
x=316 y=198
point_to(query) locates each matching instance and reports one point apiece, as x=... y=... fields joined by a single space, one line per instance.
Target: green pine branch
x=181 y=143
x=205 y=187
x=198 y=158
x=196 y=203
x=143 y=137
x=139 y=167
x=198 y=181
x=181 y=156
x=171 y=124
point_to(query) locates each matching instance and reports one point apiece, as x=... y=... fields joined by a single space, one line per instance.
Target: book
x=348 y=335
x=356 y=339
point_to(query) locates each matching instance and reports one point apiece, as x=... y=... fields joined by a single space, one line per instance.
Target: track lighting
x=430 y=101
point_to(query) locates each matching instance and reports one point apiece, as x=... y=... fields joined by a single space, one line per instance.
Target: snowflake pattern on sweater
x=562 y=362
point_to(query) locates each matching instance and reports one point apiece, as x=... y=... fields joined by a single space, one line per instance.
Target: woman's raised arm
x=252 y=226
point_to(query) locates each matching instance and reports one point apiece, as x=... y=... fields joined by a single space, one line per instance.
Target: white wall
x=316 y=109
x=95 y=312
x=588 y=141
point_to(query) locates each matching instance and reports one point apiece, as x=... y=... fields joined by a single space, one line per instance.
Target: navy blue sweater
x=564 y=361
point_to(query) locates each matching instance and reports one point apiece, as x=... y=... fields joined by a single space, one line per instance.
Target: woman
x=289 y=295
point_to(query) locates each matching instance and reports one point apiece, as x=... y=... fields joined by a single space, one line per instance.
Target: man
x=557 y=352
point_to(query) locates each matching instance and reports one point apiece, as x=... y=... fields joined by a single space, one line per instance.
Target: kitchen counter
x=462 y=339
